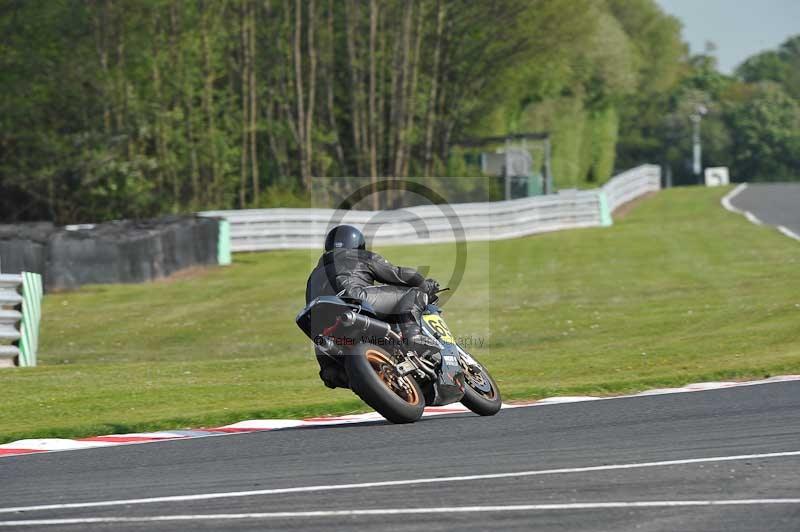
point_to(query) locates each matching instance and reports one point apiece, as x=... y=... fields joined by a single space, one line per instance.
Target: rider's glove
x=430 y=287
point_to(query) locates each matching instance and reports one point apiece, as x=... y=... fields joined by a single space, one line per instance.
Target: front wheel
x=481 y=393
x=374 y=378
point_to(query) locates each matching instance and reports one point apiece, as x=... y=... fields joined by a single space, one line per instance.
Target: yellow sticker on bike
x=437 y=324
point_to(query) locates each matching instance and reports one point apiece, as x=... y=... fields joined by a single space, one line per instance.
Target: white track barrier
x=631 y=185
x=265 y=229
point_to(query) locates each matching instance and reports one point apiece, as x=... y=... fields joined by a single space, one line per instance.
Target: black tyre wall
x=23 y=247
x=113 y=252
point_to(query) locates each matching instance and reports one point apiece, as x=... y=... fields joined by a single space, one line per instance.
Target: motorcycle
x=397 y=381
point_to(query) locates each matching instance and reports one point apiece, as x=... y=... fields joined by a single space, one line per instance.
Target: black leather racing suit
x=353 y=272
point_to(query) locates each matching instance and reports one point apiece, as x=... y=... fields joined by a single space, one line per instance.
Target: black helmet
x=344 y=237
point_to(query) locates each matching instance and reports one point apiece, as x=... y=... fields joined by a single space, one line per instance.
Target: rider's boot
x=331 y=372
x=423 y=345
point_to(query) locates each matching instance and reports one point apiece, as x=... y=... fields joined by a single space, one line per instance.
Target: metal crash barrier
x=286 y=228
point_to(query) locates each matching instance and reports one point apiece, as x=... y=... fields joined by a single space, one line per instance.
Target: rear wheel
x=374 y=378
x=481 y=393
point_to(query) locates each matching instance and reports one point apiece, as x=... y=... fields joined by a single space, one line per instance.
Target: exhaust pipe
x=367 y=326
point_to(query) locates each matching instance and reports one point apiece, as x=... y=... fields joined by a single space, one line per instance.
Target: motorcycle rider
x=349 y=270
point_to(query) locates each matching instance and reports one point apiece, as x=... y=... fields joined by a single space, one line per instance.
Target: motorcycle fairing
x=449 y=386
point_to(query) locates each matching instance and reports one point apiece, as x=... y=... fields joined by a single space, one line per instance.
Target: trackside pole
x=31 y=318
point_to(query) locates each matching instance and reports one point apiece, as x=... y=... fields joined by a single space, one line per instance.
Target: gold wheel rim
x=401 y=386
x=478 y=379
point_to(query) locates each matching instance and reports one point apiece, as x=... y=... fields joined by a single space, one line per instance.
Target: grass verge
x=678 y=291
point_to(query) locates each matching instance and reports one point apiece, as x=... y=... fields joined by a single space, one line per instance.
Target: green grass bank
x=677 y=291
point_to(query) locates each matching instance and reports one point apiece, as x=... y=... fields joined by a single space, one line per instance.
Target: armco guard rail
x=265 y=229
x=632 y=184
x=20 y=314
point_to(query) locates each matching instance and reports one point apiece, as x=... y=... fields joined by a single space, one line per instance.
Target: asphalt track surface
x=735 y=454
x=775 y=204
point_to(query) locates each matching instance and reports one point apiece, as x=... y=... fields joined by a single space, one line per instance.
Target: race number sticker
x=437 y=324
